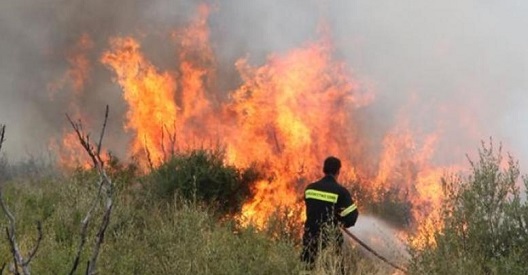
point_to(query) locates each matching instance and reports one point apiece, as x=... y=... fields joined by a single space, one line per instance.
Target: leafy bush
x=202 y=175
x=484 y=222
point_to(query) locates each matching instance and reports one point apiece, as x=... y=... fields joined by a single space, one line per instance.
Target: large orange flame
x=290 y=114
x=150 y=95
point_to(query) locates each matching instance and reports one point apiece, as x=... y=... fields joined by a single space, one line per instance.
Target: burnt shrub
x=203 y=176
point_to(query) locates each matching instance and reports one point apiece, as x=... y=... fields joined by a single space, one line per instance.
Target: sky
x=458 y=66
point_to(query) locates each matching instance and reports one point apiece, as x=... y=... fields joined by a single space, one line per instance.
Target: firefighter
x=328 y=205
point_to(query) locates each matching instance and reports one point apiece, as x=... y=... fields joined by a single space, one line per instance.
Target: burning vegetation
x=198 y=140
x=284 y=118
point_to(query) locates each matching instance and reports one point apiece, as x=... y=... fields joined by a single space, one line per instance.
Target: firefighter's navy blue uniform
x=327 y=203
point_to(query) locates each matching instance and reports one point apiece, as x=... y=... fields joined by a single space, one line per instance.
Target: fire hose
x=364 y=245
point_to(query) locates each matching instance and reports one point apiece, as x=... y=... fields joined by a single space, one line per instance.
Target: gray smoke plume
x=457 y=67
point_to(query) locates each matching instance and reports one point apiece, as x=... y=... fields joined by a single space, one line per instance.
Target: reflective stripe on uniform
x=320 y=195
x=348 y=210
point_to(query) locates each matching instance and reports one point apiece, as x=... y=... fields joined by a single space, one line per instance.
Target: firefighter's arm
x=348 y=212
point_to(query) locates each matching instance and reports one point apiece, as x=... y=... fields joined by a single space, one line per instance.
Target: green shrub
x=485 y=222
x=202 y=175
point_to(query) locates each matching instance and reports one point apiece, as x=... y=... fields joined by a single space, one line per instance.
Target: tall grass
x=144 y=237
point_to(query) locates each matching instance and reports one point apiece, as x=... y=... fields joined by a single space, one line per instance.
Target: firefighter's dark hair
x=331 y=166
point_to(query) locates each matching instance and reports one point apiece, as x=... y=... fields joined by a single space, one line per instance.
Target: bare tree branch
x=102 y=132
x=2 y=137
x=10 y=216
x=100 y=236
x=172 y=138
x=105 y=183
x=149 y=159
x=87 y=271
x=39 y=239
x=18 y=260
x=12 y=244
x=84 y=227
x=163 y=144
x=84 y=139
x=171 y=143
